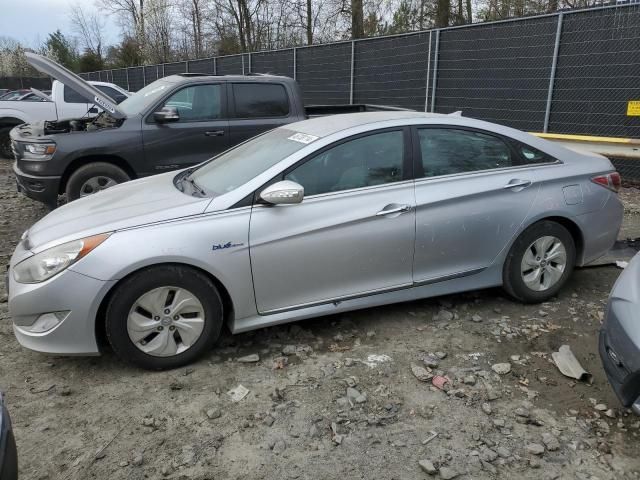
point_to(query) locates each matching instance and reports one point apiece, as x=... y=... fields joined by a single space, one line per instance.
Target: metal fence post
x=353 y=50
x=426 y=83
x=144 y=77
x=186 y=66
x=435 y=71
x=128 y=87
x=163 y=74
x=295 y=62
x=242 y=56
x=215 y=65
x=250 y=62
x=552 y=76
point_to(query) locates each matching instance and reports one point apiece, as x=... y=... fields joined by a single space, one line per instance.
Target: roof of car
x=323 y=126
x=205 y=77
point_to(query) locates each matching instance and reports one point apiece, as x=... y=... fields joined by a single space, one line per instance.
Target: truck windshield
x=237 y=166
x=142 y=99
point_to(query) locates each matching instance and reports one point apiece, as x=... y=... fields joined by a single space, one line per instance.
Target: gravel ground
x=336 y=397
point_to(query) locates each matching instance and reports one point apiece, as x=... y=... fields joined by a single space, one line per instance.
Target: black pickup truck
x=172 y=123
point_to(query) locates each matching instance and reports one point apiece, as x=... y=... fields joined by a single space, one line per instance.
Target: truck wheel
x=92 y=178
x=5 y=143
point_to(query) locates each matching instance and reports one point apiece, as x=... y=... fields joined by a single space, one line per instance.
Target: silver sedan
x=319 y=217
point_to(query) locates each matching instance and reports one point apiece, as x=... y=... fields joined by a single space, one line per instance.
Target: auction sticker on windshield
x=302 y=138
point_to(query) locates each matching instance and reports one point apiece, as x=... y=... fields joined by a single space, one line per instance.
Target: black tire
x=5 y=143
x=514 y=284
x=91 y=170
x=132 y=288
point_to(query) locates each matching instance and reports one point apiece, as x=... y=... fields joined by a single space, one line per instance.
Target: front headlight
x=39 y=151
x=52 y=261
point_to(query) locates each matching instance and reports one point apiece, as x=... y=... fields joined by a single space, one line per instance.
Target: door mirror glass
x=166 y=114
x=285 y=192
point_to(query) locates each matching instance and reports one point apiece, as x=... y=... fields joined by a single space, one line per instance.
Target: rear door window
x=260 y=100
x=449 y=151
x=71 y=96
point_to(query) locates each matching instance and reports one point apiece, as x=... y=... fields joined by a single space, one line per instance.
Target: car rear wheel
x=540 y=262
x=164 y=317
x=92 y=178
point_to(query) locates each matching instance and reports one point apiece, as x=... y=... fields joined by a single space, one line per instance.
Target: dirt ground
x=335 y=397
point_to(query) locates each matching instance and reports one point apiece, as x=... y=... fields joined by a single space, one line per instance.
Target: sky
x=30 y=21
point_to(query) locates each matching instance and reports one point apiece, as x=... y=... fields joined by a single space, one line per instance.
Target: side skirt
x=490 y=277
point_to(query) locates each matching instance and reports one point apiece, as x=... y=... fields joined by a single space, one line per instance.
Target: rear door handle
x=389 y=211
x=214 y=133
x=516 y=183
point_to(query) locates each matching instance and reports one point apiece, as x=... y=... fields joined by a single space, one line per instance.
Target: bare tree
x=193 y=13
x=357 y=19
x=89 y=27
x=132 y=14
x=443 y=9
x=158 y=31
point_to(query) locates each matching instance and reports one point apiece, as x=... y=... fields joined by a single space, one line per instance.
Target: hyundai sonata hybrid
x=318 y=217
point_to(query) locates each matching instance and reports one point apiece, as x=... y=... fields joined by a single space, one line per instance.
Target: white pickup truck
x=63 y=103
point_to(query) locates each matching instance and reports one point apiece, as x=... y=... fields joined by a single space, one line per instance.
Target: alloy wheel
x=165 y=321
x=96 y=184
x=543 y=263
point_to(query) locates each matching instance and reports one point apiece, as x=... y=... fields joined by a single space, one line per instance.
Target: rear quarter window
x=532 y=156
x=260 y=100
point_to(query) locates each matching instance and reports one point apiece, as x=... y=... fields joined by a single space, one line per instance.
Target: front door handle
x=517 y=183
x=214 y=133
x=388 y=211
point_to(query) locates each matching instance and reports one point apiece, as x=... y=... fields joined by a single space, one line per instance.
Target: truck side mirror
x=166 y=115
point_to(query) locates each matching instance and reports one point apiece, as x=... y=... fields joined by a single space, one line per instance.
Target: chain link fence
x=17 y=83
x=570 y=72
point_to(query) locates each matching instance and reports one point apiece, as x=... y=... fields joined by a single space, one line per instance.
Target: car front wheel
x=164 y=317
x=540 y=262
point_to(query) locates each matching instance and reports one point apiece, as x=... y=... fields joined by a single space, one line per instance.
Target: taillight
x=611 y=181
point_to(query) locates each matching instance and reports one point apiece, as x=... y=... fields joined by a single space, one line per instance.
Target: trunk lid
x=73 y=81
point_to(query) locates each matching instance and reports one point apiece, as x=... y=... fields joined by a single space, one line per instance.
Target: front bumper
x=68 y=291
x=41 y=188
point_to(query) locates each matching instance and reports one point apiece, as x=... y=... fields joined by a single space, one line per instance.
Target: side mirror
x=166 y=115
x=285 y=192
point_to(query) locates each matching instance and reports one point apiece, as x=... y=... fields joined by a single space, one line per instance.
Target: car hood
x=131 y=204
x=73 y=81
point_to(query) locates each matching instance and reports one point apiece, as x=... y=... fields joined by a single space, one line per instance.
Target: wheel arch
x=100 y=332
x=573 y=228
x=9 y=121
x=86 y=159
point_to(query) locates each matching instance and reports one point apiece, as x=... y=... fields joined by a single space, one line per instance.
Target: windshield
x=237 y=166
x=140 y=100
